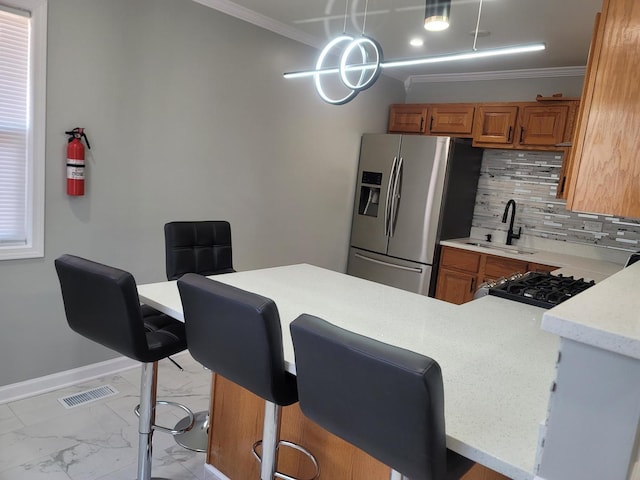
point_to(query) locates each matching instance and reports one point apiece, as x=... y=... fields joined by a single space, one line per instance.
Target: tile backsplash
x=531 y=179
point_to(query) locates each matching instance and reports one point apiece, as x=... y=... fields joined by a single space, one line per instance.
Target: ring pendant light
x=370 y=62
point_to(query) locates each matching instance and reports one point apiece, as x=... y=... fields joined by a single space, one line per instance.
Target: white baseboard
x=40 y=385
x=212 y=473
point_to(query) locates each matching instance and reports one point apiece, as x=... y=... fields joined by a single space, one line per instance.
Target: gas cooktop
x=540 y=289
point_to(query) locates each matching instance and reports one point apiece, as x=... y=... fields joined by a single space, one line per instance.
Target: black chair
x=101 y=304
x=237 y=334
x=198 y=247
x=383 y=399
x=202 y=247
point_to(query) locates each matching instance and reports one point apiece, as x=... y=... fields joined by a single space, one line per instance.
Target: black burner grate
x=541 y=289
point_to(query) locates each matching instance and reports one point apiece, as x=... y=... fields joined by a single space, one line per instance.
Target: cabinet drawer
x=462 y=260
x=497 y=267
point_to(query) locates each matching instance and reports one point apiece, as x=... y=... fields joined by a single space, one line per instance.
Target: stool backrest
x=101 y=304
x=385 y=400
x=197 y=247
x=236 y=334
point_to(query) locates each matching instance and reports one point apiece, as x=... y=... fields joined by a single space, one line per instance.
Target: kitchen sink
x=503 y=248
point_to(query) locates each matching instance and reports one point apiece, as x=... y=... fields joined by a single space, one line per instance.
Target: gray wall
x=501 y=90
x=189 y=118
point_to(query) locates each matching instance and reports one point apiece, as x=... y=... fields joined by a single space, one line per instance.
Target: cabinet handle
x=509 y=135
x=421 y=124
x=521 y=134
x=564 y=181
x=431 y=124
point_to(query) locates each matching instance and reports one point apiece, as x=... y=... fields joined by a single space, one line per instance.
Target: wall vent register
x=88 y=396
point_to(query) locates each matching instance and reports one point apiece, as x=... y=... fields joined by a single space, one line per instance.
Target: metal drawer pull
x=392 y=265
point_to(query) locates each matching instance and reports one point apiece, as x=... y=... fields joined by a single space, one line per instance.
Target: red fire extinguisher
x=75 y=161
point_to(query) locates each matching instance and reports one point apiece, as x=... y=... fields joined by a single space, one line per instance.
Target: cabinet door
x=451 y=120
x=455 y=287
x=542 y=125
x=606 y=173
x=498 y=267
x=494 y=124
x=407 y=118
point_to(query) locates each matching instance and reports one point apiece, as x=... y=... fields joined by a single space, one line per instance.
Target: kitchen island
x=498 y=365
x=593 y=428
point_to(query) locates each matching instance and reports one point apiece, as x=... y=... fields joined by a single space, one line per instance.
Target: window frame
x=35 y=208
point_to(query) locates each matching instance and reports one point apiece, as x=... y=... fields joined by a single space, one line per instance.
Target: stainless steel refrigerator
x=412 y=191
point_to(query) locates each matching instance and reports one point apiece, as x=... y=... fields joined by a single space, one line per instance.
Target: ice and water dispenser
x=370 y=193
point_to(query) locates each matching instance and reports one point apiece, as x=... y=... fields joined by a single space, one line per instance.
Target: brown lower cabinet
x=462 y=271
x=236 y=423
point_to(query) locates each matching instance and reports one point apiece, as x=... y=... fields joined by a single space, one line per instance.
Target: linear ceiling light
x=361 y=61
x=436 y=15
x=534 y=47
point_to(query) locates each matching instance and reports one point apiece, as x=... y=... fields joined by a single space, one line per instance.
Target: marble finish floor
x=42 y=440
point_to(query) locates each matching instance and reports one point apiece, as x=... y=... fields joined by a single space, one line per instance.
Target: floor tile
x=8 y=420
x=44 y=468
x=42 y=440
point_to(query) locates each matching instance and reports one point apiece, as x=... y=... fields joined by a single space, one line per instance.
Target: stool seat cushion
x=163 y=332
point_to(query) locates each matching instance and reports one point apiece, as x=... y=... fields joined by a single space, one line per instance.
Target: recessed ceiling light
x=416 y=42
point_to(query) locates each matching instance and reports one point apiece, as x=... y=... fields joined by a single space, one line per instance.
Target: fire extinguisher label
x=75 y=172
x=75 y=169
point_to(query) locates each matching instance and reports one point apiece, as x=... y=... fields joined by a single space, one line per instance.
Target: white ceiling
x=564 y=25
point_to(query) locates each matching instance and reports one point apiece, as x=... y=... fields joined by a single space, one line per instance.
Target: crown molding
x=268 y=23
x=554 y=72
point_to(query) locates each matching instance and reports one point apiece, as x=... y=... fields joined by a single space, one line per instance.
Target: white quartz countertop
x=578 y=266
x=606 y=315
x=497 y=364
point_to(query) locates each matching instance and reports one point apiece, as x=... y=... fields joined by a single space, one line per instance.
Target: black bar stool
x=237 y=334
x=202 y=247
x=385 y=400
x=102 y=304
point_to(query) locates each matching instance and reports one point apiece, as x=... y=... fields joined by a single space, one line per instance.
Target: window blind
x=14 y=128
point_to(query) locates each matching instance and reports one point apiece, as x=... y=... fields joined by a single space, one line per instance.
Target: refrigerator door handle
x=395 y=202
x=386 y=264
x=387 y=207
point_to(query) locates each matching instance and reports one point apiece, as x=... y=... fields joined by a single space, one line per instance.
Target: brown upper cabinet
x=542 y=125
x=451 y=119
x=605 y=171
x=407 y=118
x=546 y=124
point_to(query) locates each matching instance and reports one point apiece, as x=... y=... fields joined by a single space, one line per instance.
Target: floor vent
x=88 y=396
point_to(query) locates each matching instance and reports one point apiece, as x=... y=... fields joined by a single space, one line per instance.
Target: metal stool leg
x=270 y=435
x=148 y=383
x=271 y=443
